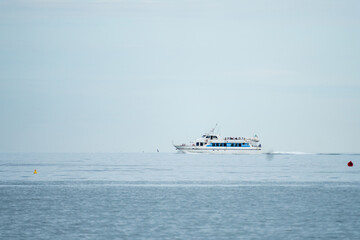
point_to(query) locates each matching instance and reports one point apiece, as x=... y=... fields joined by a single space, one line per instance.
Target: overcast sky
x=128 y=76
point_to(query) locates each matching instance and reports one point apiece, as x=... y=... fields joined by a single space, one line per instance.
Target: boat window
x=201 y=144
x=232 y=144
x=197 y=144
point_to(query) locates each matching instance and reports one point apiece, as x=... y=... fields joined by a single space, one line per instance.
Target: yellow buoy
x=35 y=171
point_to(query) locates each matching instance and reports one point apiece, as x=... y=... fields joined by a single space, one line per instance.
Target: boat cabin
x=211 y=137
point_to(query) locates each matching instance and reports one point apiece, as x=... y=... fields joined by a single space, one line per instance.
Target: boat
x=216 y=144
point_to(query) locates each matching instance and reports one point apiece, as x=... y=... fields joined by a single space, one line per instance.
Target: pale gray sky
x=121 y=76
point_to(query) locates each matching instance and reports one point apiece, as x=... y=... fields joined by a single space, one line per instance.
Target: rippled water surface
x=179 y=196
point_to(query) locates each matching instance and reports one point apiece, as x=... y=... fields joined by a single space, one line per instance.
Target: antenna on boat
x=212 y=130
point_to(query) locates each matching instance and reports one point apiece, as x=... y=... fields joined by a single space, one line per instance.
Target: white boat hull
x=219 y=150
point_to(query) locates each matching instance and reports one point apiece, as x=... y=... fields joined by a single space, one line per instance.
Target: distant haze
x=133 y=76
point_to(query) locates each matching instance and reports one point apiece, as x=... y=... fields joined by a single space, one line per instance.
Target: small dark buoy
x=350 y=164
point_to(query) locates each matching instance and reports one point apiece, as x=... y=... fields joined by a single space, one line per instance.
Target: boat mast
x=213 y=129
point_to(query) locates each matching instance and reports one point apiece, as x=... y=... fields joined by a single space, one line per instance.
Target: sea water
x=179 y=196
